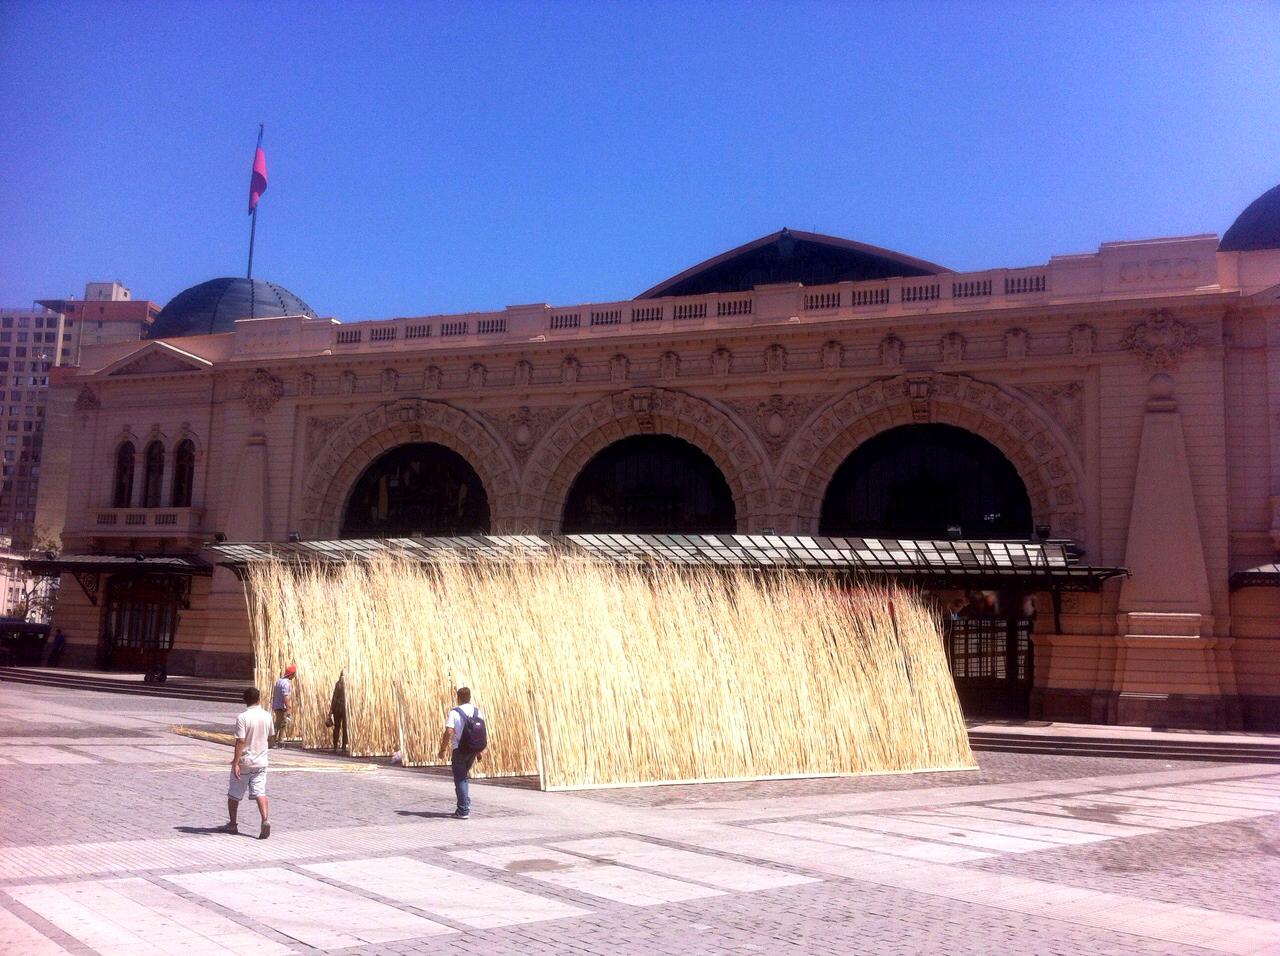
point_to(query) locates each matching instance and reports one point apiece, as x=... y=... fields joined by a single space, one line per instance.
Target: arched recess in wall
x=362 y=438
x=419 y=488
x=1035 y=445
x=580 y=435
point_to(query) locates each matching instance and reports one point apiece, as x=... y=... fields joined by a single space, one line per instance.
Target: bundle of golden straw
x=594 y=674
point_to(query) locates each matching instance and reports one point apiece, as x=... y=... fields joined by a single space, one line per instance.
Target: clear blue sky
x=445 y=157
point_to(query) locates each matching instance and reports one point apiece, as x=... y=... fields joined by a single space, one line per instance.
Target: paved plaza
x=107 y=846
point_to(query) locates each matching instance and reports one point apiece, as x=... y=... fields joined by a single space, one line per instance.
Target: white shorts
x=252 y=783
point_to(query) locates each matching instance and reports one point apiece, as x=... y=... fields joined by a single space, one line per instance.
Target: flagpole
x=253 y=215
x=253 y=228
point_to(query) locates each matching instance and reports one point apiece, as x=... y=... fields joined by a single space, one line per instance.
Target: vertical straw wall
x=594 y=675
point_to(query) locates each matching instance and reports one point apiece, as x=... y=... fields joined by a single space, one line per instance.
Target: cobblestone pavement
x=106 y=846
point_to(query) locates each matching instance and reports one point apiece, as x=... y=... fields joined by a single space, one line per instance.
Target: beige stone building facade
x=1125 y=400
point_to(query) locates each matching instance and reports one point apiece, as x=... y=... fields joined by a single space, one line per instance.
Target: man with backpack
x=465 y=733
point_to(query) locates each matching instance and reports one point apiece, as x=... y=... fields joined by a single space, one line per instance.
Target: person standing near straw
x=338 y=711
x=467 y=736
x=249 y=762
x=282 y=703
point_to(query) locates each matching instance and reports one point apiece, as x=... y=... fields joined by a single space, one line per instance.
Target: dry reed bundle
x=592 y=674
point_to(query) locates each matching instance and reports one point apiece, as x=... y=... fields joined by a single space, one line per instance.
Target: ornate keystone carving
x=261 y=391
x=1160 y=340
x=87 y=400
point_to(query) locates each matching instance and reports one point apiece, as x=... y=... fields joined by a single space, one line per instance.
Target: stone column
x=1167 y=665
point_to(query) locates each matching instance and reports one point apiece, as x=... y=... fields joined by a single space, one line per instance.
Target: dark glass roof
x=1258 y=227
x=790 y=256
x=215 y=305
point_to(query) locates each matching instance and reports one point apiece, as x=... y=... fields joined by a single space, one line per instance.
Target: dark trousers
x=461 y=763
x=339 y=727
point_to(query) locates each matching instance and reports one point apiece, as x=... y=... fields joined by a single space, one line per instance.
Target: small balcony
x=144 y=522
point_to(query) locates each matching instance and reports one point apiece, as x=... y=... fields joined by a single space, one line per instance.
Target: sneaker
x=230 y=828
x=459 y=815
x=265 y=831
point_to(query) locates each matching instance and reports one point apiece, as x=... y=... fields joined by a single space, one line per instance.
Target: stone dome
x=1258 y=227
x=215 y=305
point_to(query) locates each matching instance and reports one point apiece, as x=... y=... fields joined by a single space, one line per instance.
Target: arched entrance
x=419 y=488
x=650 y=484
x=924 y=481
x=935 y=481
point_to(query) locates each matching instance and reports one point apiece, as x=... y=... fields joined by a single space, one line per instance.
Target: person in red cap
x=282 y=703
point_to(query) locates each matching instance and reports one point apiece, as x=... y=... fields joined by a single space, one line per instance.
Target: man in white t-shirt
x=460 y=760
x=249 y=762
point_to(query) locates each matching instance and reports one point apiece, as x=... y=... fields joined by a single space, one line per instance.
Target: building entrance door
x=991 y=660
x=138 y=622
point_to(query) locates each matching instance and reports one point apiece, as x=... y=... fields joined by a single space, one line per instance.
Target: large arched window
x=184 y=473
x=926 y=481
x=153 y=476
x=421 y=488
x=122 y=493
x=650 y=484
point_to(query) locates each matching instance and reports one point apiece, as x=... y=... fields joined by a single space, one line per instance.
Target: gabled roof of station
x=791 y=256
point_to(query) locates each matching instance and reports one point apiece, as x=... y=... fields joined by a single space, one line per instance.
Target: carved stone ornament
x=261 y=391
x=307 y=384
x=524 y=373
x=619 y=369
x=87 y=400
x=433 y=378
x=668 y=366
x=1082 y=337
x=721 y=362
x=1017 y=344
x=832 y=355
x=476 y=375
x=1160 y=340
x=891 y=351
x=347 y=383
x=775 y=358
x=390 y=380
x=570 y=370
x=953 y=345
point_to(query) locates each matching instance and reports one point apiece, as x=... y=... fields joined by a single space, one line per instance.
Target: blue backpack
x=474 y=736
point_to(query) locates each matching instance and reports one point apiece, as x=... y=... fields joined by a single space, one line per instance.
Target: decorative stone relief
x=891 y=348
x=669 y=366
x=953 y=346
x=433 y=378
x=1017 y=344
x=521 y=428
x=477 y=374
x=87 y=400
x=775 y=358
x=642 y=405
x=570 y=370
x=776 y=418
x=721 y=362
x=1064 y=401
x=1082 y=338
x=832 y=355
x=1160 y=340
x=619 y=369
x=390 y=380
x=306 y=385
x=523 y=374
x=919 y=391
x=319 y=430
x=347 y=383
x=261 y=391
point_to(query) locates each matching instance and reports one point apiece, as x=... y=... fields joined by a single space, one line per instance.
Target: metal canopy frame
x=1263 y=576
x=78 y=564
x=1045 y=565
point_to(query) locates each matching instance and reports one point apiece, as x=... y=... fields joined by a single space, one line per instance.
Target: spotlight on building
x=294 y=537
x=1042 y=532
x=219 y=536
x=955 y=532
